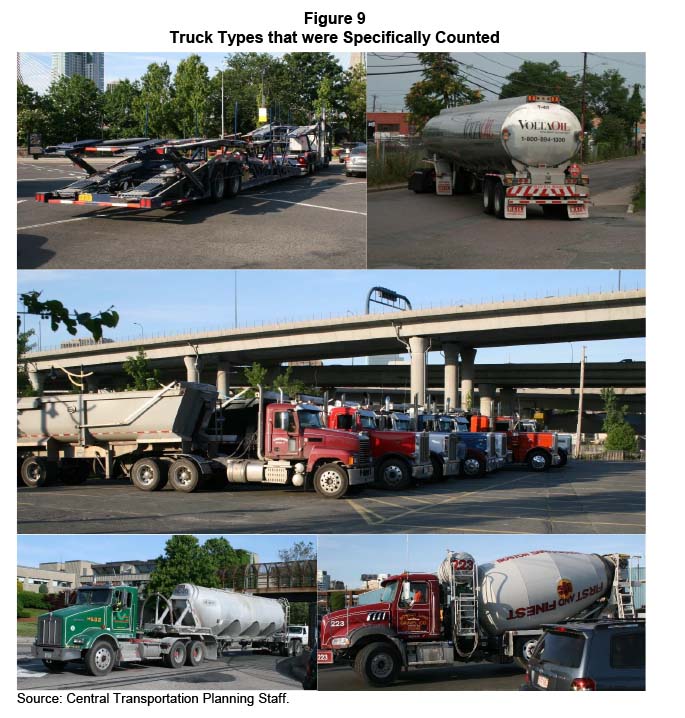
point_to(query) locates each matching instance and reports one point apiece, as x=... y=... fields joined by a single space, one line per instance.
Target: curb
x=386 y=187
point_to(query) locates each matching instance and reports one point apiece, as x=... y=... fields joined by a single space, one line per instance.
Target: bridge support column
x=486 y=394
x=92 y=383
x=193 y=366
x=507 y=398
x=468 y=372
x=37 y=379
x=451 y=368
x=417 y=346
x=223 y=371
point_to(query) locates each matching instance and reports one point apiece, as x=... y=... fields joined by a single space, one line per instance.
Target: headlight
x=77 y=641
x=353 y=459
x=342 y=642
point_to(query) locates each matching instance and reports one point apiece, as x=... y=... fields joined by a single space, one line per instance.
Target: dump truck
x=109 y=625
x=182 y=434
x=398 y=456
x=465 y=612
x=162 y=174
x=517 y=151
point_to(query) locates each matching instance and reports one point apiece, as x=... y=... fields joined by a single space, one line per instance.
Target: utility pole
x=582 y=108
x=374 y=104
x=223 y=128
x=580 y=403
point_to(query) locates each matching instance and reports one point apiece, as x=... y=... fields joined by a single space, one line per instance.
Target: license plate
x=516 y=209
x=543 y=681
x=324 y=656
x=85 y=198
x=577 y=209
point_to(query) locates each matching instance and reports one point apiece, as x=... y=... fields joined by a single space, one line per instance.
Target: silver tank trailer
x=504 y=135
x=227 y=614
x=169 y=413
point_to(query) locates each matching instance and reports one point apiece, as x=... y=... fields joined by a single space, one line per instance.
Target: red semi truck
x=398 y=456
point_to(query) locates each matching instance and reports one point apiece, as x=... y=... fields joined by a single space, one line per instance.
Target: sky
x=100 y=548
x=153 y=303
x=487 y=69
x=347 y=557
x=36 y=66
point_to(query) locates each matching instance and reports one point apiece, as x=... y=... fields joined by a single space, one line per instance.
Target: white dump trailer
x=517 y=151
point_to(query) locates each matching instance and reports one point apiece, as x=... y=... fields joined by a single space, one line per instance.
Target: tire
x=473 y=466
x=54 y=666
x=176 y=657
x=295 y=648
x=539 y=460
x=524 y=651
x=331 y=481
x=498 y=200
x=563 y=457
x=37 y=472
x=74 y=474
x=378 y=664
x=100 y=658
x=184 y=475
x=149 y=474
x=233 y=183
x=438 y=473
x=217 y=185
x=473 y=184
x=195 y=653
x=422 y=181
x=393 y=474
x=488 y=189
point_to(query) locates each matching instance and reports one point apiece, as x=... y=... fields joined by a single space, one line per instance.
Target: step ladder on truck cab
x=622 y=594
x=464 y=598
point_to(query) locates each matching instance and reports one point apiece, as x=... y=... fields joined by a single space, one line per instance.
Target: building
x=323 y=581
x=357 y=58
x=56 y=581
x=118 y=573
x=112 y=84
x=390 y=124
x=90 y=65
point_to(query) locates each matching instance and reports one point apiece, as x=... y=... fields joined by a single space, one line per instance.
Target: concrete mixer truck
x=106 y=626
x=469 y=612
x=518 y=152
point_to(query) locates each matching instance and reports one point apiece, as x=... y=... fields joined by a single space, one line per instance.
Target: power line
x=615 y=59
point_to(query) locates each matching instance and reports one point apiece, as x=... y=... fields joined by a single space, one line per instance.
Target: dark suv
x=608 y=655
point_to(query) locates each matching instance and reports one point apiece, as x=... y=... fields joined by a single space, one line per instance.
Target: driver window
x=414 y=594
x=345 y=421
x=285 y=421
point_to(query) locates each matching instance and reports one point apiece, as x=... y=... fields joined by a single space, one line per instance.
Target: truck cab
x=486 y=451
x=447 y=451
x=398 y=456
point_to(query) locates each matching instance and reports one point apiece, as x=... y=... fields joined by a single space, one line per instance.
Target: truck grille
x=364 y=451
x=492 y=447
x=49 y=631
x=452 y=443
x=424 y=448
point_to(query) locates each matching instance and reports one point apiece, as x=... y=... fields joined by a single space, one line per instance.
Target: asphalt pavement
x=235 y=671
x=312 y=222
x=582 y=497
x=424 y=231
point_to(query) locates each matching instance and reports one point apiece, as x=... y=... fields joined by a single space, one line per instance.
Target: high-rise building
x=90 y=65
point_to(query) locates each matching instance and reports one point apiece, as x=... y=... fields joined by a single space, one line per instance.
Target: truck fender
x=91 y=635
x=439 y=457
x=315 y=461
x=371 y=634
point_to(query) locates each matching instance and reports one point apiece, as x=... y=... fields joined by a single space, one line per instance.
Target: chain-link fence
x=392 y=159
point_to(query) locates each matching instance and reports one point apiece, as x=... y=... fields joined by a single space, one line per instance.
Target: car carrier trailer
x=154 y=174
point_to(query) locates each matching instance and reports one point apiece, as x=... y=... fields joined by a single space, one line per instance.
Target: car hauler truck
x=183 y=434
x=517 y=151
x=154 y=174
x=468 y=612
x=107 y=626
x=398 y=456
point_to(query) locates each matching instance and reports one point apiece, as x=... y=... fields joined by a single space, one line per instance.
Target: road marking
x=25 y=673
x=47 y=224
x=305 y=204
x=42 y=179
x=19 y=201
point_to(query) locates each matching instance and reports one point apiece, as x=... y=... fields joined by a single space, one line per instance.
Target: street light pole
x=142 y=334
x=580 y=403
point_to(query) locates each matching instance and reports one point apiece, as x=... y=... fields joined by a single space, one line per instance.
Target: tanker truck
x=106 y=626
x=517 y=151
x=469 y=612
x=182 y=434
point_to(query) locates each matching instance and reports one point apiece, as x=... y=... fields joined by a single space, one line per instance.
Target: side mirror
x=406 y=592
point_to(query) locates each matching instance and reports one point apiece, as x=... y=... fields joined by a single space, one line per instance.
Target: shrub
x=32 y=600
x=621 y=437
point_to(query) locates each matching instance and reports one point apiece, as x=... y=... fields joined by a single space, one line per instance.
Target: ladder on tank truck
x=622 y=588
x=464 y=592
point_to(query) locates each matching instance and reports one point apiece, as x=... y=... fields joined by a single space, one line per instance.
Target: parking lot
x=315 y=222
x=237 y=670
x=582 y=497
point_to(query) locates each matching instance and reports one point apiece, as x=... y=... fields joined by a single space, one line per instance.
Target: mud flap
x=578 y=211
x=443 y=178
x=514 y=211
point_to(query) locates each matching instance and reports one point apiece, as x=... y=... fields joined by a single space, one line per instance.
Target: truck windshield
x=388 y=592
x=310 y=419
x=445 y=424
x=86 y=596
x=402 y=424
x=367 y=422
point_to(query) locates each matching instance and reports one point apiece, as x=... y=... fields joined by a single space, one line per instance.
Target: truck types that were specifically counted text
x=518 y=151
x=109 y=625
x=469 y=612
x=184 y=434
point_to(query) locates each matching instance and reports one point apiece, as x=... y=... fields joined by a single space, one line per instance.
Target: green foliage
x=191 y=94
x=29 y=599
x=336 y=600
x=255 y=375
x=299 y=551
x=612 y=132
x=392 y=165
x=290 y=386
x=141 y=375
x=21 y=611
x=614 y=413
x=118 y=106
x=58 y=315
x=621 y=437
x=354 y=101
x=224 y=555
x=43 y=589
x=441 y=86
x=153 y=107
x=32 y=115
x=74 y=107
x=299 y=614
x=540 y=78
x=24 y=387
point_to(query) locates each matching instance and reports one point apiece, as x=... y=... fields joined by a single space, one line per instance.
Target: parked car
x=608 y=655
x=356 y=162
x=346 y=149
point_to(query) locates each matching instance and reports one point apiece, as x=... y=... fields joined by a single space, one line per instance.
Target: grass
x=640 y=196
x=26 y=627
x=394 y=166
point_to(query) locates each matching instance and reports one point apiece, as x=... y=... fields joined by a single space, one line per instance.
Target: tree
x=184 y=561
x=255 y=375
x=224 y=556
x=336 y=600
x=140 y=373
x=299 y=551
x=441 y=86
x=303 y=75
x=153 y=107
x=74 y=107
x=354 y=101
x=191 y=93
x=541 y=78
x=636 y=107
x=612 y=132
x=31 y=113
x=118 y=107
x=299 y=614
x=620 y=434
x=290 y=386
x=24 y=387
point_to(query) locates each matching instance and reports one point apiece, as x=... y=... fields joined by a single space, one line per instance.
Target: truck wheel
x=539 y=460
x=524 y=651
x=176 y=657
x=378 y=664
x=488 y=190
x=37 y=471
x=54 y=666
x=563 y=457
x=148 y=474
x=438 y=473
x=393 y=474
x=295 y=648
x=217 y=185
x=331 y=481
x=233 y=183
x=498 y=200
x=184 y=475
x=74 y=474
x=473 y=466
x=195 y=654
x=100 y=658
